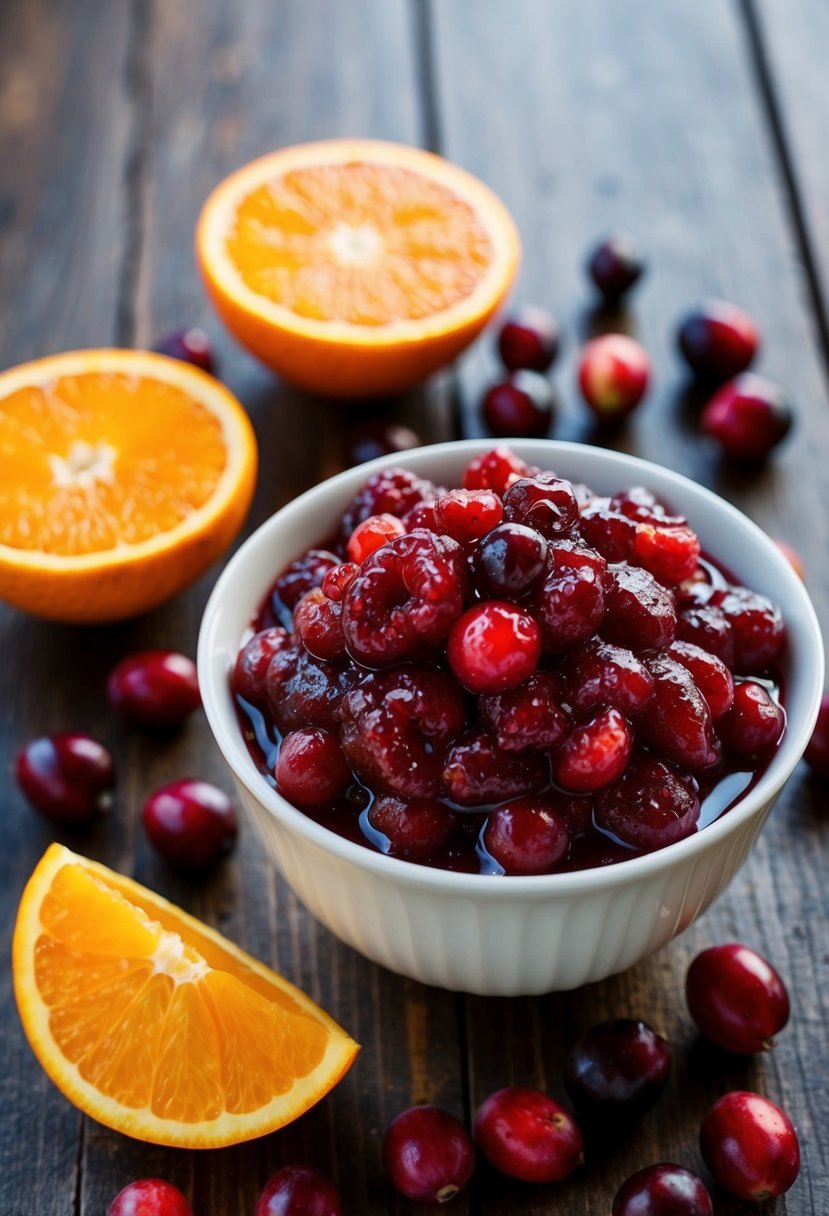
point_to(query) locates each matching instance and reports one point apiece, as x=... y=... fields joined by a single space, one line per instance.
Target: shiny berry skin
x=302 y=690
x=318 y=615
x=750 y=1146
x=642 y=505
x=570 y=604
x=615 y=266
x=595 y=754
x=663 y=1190
x=736 y=998
x=677 y=720
x=528 y=339
x=710 y=674
x=495 y=470
x=753 y=724
x=718 y=341
x=649 y=807
x=190 y=346
x=669 y=553
x=192 y=824
x=428 y=1155
x=150 y=1197
x=414 y=830
x=527 y=1135
x=640 y=611
x=613 y=376
x=617 y=1069
x=391 y=491
x=494 y=647
x=302 y=575
x=371 y=534
x=608 y=532
x=704 y=625
x=528 y=836
x=545 y=503
x=253 y=660
x=529 y=717
x=155 y=688
x=522 y=405
x=370 y=440
x=757 y=628
x=817 y=751
x=748 y=418
x=599 y=673
x=477 y=772
x=467 y=515
x=311 y=768
x=67 y=777
x=298 y=1190
x=509 y=561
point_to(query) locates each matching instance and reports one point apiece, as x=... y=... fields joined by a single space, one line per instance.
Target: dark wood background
x=700 y=128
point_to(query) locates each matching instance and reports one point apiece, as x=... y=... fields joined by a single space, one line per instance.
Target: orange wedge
x=154 y=1024
x=354 y=267
x=123 y=476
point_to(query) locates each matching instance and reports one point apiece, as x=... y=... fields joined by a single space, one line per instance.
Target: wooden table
x=699 y=127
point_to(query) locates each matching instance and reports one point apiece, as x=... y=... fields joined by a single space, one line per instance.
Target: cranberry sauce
x=514 y=677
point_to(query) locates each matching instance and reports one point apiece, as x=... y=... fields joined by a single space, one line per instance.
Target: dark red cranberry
x=428 y=1155
x=155 y=688
x=494 y=647
x=67 y=777
x=706 y=626
x=609 y=532
x=370 y=440
x=252 y=662
x=337 y=581
x=311 y=768
x=594 y=754
x=649 y=807
x=817 y=752
x=642 y=505
x=422 y=515
x=190 y=823
x=318 y=618
x=570 y=603
x=753 y=724
x=677 y=719
x=150 y=1197
x=615 y=266
x=527 y=1135
x=528 y=339
x=617 y=1069
x=640 y=612
x=530 y=717
x=477 y=773
x=613 y=376
x=710 y=674
x=372 y=534
x=527 y=836
x=599 y=673
x=305 y=691
x=509 y=561
x=467 y=515
x=750 y=1146
x=190 y=346
x=669 y=553
x=298 y=1190
x=522 y=405
x=396 y=727
x=301 y=576
x=736 y=998
x=757 y=628
x=391 y=491
x=663 y=1190
x=748 y=417
x=495 y=470
x=545 y=503
x=718 y=341
x=414 y=830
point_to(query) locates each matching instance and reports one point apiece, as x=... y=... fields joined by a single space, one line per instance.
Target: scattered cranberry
x=370 y=440
x=613 y=375
x=545 y=503
x=493 y=647
x=476 y=772
x=748 y=417
x=617 y=1068
x=817 y=752
x=530 y=717
x=67 y=777
x=528 y=339
x=521 y=405
x=190 y=346
x=372 y=534
x=595 y=753
x=600 y=674
x=793 y=558
x=509 y=561
x=527 y=1135
x=663 y=1190
x=311 y=768
x=252 y=662
x=428 y=1155
x=615 y=266
x=649 y=807
x=150 y=1197
x=718 y=341
x=298 y=1190
x=528 y=836
x=495 y=470
x=467 y=515
x=413 y=830
x=710 y=674
x=736 y=998
x=753 y=724
x=190 y=823
x=155 y=688
x=750 y=1146
x=302 y=576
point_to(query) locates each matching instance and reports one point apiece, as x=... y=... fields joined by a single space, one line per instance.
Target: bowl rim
x=224 y=725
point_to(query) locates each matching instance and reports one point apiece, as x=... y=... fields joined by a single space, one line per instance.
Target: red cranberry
x=528 y=339
x=817 y=752
x=736 y=998
x=753 y=724
x=301 y=576
x=509 y=561
x=190 y=346
x=422 y=515
x=677 y=719
x=594 y=754
x=527 y=1135
x=545 y=503
x=757 y=628
x=669 y=553
x=663 y=1190
x=570 y=604
x=609 y=532
x=467 y=515
x=495 y=470
x=793 y=558
x=710 y=674
x=252 y=662
x=718 y=341
x=530 y=717
x=370 y=440
x=428 y=1155
x=493 y=647
x=617 y=1068
x=318 y=615
x=298 y=1190
x=640 y=611
x=150 y=1197
x=528 y=836
x=190 y=823
x=388 y=492
x=649 y=807
x=599 y=673
x=615 y=266
x=750 y=1146
x=305 y=691
x=707 y=627
x=155 y=688
x=521 y=405
x=67 y=777
x=311 y=768
x=748 y=417
x=414 y=830
x=613 y=375
x=477 y=773
x=372 y=534
x=642 y=505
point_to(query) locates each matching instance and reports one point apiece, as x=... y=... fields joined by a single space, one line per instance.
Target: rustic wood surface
x=694 y=126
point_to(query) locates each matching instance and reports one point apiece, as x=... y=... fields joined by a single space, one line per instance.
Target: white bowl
x=491 y=935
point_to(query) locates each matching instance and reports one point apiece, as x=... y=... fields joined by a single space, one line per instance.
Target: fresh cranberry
x=710 y=674
x=570 y=604
x=750 y=1146
x=305 y=691
x=428 y=1155
x=649 y=807
x=736 y=998
x=298 y=1190
x=669 y=553
x=414 y=830
x=545 y=503
x=615 y=266
x=529 y=717
x=528 y=836
x=748 y=417
x=190 y=346
x=793 y=558
x=609 y=532
x=421 y=515
x=509 y=561
x=527 y=1135
x=753 y=724
x=190 y=823
x=372 y=534
x=640 y=611
x=599 y=673
x=301 y=576
x=318 y=615
x=594 y=754
x=677 y=719
x=391 y=491
x=311 y=768
x=718 y=341
x=663 y=1190
x=617 y=1068
x=67 y=777
x=495 y=470
x=467 y=515
x=252 y=662
x=370 y=440
x=523 y=405
x=406 y=598
x=477 y=773
x=396 y=727
x=613 y=375
x=493 y=647
x=757 y=628
x=817 y=751
x=150 y=1197
x=704 y=625
x=155 y=688
x=528 y=339
x=642 y=505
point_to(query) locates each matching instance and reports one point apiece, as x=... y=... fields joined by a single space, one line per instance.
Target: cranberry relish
x=517 y=676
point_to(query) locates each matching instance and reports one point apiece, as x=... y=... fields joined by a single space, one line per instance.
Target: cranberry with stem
x=664 y=1189
x=298 y=1190
x=521 y=405
x=615 y=266
x=528 y=338
x=748 y=418
x=428 y=1155
x=617 y=1069
x=493 y=647
x=718 y=340
x=157 y=689
x=67 y=777
x=526 y=1135
x=192 y=824
x=613 y=375
x=817 y=751
x=750 y=1146
x=736 y=998
x=150 y=1197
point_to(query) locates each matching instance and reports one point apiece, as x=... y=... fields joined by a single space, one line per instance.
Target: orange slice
x=123 y=476
x=154 y=1024
x=355 y=267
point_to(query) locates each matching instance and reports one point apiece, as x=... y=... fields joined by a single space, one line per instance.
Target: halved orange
x=154 y=1024
x=355 y=267
x=123 y=476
